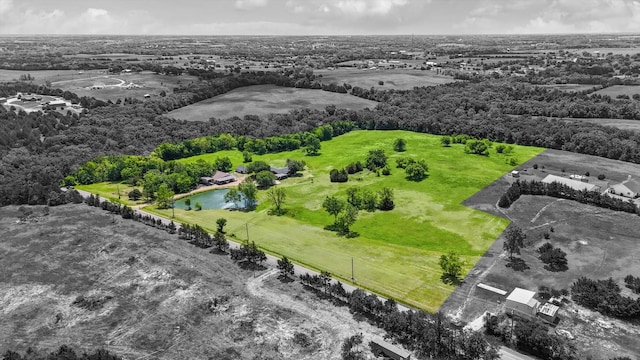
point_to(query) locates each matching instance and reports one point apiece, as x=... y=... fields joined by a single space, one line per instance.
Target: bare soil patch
x=75 y=277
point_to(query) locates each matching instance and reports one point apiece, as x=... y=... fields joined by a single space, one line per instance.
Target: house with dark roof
x=280 y=173
x=220 y=178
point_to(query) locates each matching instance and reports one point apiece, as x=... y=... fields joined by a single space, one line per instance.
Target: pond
x=213 y=199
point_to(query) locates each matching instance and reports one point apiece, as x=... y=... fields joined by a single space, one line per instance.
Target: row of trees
x=604 y=296
x=530 y=336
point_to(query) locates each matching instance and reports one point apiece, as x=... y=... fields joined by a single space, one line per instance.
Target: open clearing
x=615 y=90
x=572 y=87
x=599 y=243
x=266 y=99
x=393 y=79
x=107 y=86
x=397 y=252
x=158 y=293
x=623 y=124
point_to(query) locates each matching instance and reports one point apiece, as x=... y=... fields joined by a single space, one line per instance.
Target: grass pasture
x=393 y=79
x=114 y=192
x=615 y=90
x=266 y=99
x=397 y=252
x=623 y=124
x=572 y=87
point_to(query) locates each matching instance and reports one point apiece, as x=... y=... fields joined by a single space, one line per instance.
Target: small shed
x=241 y=169
x=206 y=180
x=522 y=302
x=548 y=312
x=515 y=173
x=380 y=347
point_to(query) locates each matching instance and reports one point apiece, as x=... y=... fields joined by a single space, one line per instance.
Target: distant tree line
x=64 y=352
x=558 y=190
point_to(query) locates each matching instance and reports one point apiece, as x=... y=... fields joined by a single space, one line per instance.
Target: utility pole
x=352 y=278
x=247 y=227
x=173 y=207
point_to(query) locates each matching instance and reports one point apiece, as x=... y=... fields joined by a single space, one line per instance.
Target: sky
x=318 y=17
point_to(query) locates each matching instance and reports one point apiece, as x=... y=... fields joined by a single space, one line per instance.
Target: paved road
x=508 y=354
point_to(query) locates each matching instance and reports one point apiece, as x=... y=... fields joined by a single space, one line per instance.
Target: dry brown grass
x=155 y=295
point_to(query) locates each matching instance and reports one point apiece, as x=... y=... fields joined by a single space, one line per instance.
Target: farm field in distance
x=396 y=253
x=615 y=90
x=393 y=79
x=107 y=86
x=266 y=99
x=572 y=87
x=600 y=243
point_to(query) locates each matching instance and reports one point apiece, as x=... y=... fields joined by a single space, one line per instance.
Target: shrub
x=338 y=175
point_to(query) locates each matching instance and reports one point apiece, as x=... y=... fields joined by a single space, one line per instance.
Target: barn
x=522 y=302
x=380 y=347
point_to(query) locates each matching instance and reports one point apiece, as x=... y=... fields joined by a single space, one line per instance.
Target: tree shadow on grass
x=451 y=279
x=517 y=264
x=285 y=279
x=248 y=265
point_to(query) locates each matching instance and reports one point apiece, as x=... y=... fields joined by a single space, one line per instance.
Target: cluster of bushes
x=604 y=296
x=248 y=253
x=415 y=170
x=554 y=258
x=354 y=168
x=558 y=190
x=323 y=283
x=530 y=336
x=63 y=353
x=632 y=283
x=339 y=176
x=365 y=199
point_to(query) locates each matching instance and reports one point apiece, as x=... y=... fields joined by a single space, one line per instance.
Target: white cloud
x=250 y=4
x=367 y=8
x=5 y=6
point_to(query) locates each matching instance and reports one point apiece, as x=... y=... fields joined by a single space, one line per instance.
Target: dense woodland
x=39 y=149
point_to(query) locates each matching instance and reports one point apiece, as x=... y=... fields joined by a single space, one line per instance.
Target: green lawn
x=110 y=191
x=397 y=252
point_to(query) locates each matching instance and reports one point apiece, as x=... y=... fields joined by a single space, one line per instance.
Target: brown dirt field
x=157 y=294
x=599 y=243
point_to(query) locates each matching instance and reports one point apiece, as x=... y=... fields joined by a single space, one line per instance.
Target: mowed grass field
x=397 y=252
x=393 y=79
x=616 y=90
x=266 y=99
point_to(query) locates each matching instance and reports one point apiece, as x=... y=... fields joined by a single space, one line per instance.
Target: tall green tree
x=513 y=240
x=250 y=192
x=164 y=196
x=265 y=178
x=400 y=145
x=451 y=266
x=233 y=196
x=312 y=147
x=333 y=206
x=277 y=195
x=347 y=218
x=220 y=223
